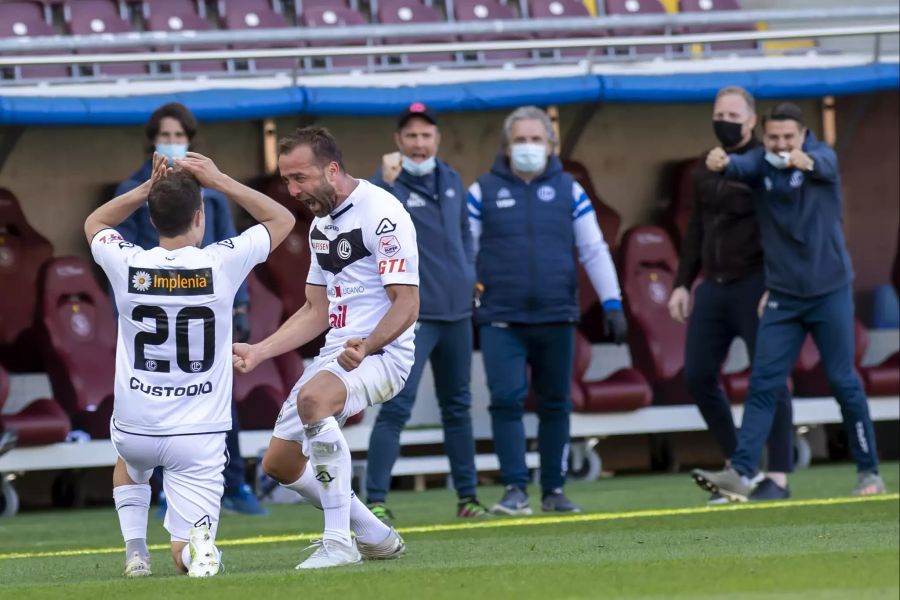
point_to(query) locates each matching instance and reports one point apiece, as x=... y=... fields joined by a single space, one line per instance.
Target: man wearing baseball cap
x=433 y=194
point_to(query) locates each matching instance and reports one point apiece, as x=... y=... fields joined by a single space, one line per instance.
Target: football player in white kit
x=363 y=284
x=173 y=365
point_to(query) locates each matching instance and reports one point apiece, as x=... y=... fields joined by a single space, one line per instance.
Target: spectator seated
x=41 y=422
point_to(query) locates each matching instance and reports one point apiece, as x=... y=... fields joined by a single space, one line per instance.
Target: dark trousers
x=235 y=468
x=785 y=323
x=549 y=350
x=448 y=345
x=721 y=312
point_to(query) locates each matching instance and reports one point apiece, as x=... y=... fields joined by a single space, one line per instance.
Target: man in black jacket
x=722 y=240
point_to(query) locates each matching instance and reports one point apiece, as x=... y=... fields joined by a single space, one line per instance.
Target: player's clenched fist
x=244 y=357
x=353 y=354
x=717 y=160
x=800 y=160
x=390 y=167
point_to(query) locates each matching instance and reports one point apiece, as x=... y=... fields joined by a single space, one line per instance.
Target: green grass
x=838 y=550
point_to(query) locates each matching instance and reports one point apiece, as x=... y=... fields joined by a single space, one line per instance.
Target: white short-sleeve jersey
x=367 y=243
x=173 y=353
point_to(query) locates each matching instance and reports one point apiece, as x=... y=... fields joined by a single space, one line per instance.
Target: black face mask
x=729 y=134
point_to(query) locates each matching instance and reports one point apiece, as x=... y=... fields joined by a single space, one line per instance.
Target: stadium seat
x=335 y=15
x=26 y=19
x=39 y=423
x=94 y=17
x=552 y=9
x=260 y=393
x=591 y=323
x=809 y=376
x=647 y=270
x=238 y=15
x=176 y=16
x=623 y=390
x=490 y=10
x=639 y=7
x=22 y=252
x=409 y=12
x=693 y=6
x=882 y=379
x=678 y=213
x=80 y=347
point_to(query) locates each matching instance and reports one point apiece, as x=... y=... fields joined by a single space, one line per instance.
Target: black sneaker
x=769 y=490
x=556 y=501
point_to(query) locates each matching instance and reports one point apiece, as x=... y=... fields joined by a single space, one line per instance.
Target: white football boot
x=204 y=554
x=331 y=553
x=137 y=566
x=390 y=548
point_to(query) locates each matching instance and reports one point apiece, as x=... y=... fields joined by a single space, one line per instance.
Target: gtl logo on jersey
x=170 y=282
x=338 y=318
x=394 y=265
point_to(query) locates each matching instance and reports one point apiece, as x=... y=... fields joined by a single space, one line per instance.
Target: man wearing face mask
x=169 y=132
x=433 y=194
x=722 y=240
x=527 y=218
x=809 y=277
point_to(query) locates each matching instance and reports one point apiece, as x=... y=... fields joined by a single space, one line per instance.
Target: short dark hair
x=173 y=202
x=786 y=111
x=320 y=141
x=172 y=110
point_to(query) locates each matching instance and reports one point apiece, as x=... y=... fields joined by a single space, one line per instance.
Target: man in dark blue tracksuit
x=809 y=277
x=433 y=194
x=528 y=217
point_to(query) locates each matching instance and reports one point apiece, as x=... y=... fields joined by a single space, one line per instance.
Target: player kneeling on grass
x=363 y=283
x=173 y=377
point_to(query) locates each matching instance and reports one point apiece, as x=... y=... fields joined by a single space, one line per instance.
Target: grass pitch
x=640 y=537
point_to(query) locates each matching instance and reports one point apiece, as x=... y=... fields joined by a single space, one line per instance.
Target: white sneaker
x=137 y=566
x=331 y=553
x=392 y=547
x=204 y=554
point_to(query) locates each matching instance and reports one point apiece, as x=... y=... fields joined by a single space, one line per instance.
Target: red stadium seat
x=26 y=19
x=176 y=16
x=678 y=213
x=882 y=379
x=41 y=422
x=94 y=17
x=694 y=6
x=260 y=393
x=490 y=10
x=409 y=12
x=552 y=9
x=623 y=390
x=638 y=7
x=238 y=15
x=336 y=16
x=81 y=343
x=809 y=376
x=22 y=252
x=647 y=269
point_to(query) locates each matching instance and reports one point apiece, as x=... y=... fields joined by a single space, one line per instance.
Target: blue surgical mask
x=528 y=158
x=172 y=151
x=779 y=161
x=418 y=169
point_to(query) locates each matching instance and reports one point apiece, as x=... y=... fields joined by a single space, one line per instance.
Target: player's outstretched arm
x=302 y=327
x=120 y=208
x=276 y=218
x=404 y=311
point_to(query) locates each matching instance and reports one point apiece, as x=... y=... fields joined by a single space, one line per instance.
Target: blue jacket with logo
x=437 y=204
x=219 y=223
x=800 y=218
x=526 y=258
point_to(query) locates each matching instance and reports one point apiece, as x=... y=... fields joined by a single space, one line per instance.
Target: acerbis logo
x=324 y=476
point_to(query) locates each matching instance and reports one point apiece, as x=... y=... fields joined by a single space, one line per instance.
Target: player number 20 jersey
x=173 y=352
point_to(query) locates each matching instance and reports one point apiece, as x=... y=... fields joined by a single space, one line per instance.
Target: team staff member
x=170 y=131
x=433 y=194
x=808 y=277
x=722 y=240
x=527 y=218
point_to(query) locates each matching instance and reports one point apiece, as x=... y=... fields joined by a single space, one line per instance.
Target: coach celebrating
x=808 y=275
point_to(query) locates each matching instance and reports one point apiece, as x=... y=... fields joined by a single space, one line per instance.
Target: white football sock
x=132 y=506
x=367 y=527
x=330 y=458
x=186 y=556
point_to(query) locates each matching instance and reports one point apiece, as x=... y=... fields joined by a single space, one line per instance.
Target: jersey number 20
x=182 y=348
